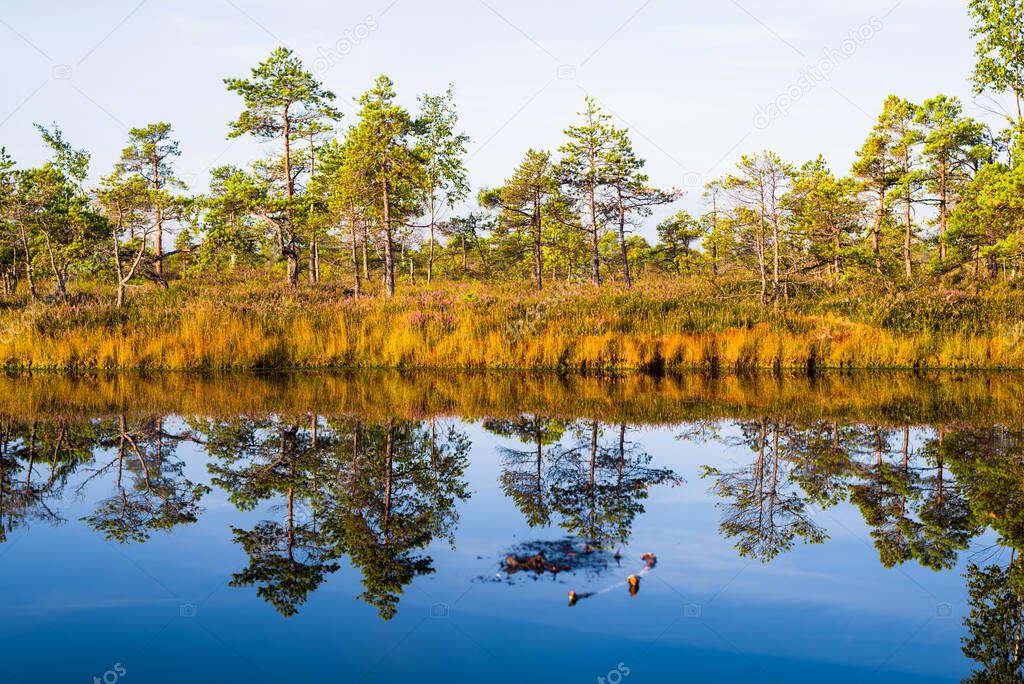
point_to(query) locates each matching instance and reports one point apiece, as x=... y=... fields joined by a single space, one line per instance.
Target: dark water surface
x=371 y=528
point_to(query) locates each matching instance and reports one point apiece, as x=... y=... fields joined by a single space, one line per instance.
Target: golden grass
x=657 y=327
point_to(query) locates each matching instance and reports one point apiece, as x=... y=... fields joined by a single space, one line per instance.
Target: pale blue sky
x=687 y=76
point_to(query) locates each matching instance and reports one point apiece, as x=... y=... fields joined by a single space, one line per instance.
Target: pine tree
x=585 y=172
x=383 y=147
x=282 y=99
x=443 y=149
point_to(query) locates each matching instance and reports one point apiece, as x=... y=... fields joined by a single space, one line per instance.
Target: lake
x=381 y=527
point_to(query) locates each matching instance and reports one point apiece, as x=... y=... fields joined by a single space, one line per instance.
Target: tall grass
x=659 y=326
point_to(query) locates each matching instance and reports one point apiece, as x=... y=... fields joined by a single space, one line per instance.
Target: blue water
x=77 y=606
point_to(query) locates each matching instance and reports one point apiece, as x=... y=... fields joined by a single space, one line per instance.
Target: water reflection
x=588 y=476
x=377 y=490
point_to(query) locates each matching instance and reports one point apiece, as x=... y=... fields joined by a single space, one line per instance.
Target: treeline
x=933 y=197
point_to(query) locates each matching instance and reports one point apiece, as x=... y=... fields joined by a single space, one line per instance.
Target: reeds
x=661 y=326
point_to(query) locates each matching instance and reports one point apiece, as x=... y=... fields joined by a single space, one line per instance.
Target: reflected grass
x=636 y=399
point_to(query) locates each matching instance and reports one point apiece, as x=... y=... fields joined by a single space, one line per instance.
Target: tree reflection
x=378 y=492
x=763 y=508
x=947 y=522
x=882 y=497
x=403 y=484
x=275 y=459
x=524 y=475
x=996 y=621
x=595 y=485
x=37 y=458
x=152 y=491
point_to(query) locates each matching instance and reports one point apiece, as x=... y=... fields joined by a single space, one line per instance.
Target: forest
x=349 y=243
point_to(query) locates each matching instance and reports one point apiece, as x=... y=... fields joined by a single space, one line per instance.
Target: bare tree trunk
x=775 y=260
x=430 y=256
x=876 y=234
x=312 y=259
x=355 y=255
x=366 y=240
x=595 y=255
x=117 y=270
x=159 y=221
x=58 y=275
x=907 y=235
x=943 y=210
x=627 y=277
x=290 y=250
x=28 y=262
x=762 y=265
x=389 y=261
x=837 y=263
x=292 y=258
x=538 y=252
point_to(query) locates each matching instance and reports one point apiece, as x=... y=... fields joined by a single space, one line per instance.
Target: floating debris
x=575 y=598
x=538 y=559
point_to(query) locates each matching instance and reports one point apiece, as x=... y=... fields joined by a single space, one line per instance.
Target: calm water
x=361 y=528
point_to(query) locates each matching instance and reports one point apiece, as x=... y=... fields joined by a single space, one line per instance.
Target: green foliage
x=279 y=94
x=998 y=26
x=676 y=236
x=995 y=622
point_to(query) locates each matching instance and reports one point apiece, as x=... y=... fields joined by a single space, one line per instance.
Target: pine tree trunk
x=366 y=240
x=876 y=234
x=837 y=263
x=943 y=211
x=389 y=261
x=355 y=253
x=907 y=236
x=430 y=255
x=538 y=253
x=775 y=261
x=159 y=222
x=28 y=264
x=292 y=263
x=290 y=252
x=314 y=276
x=627 y=276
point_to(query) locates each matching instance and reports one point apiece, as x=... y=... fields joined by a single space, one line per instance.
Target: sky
x=697 y=82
